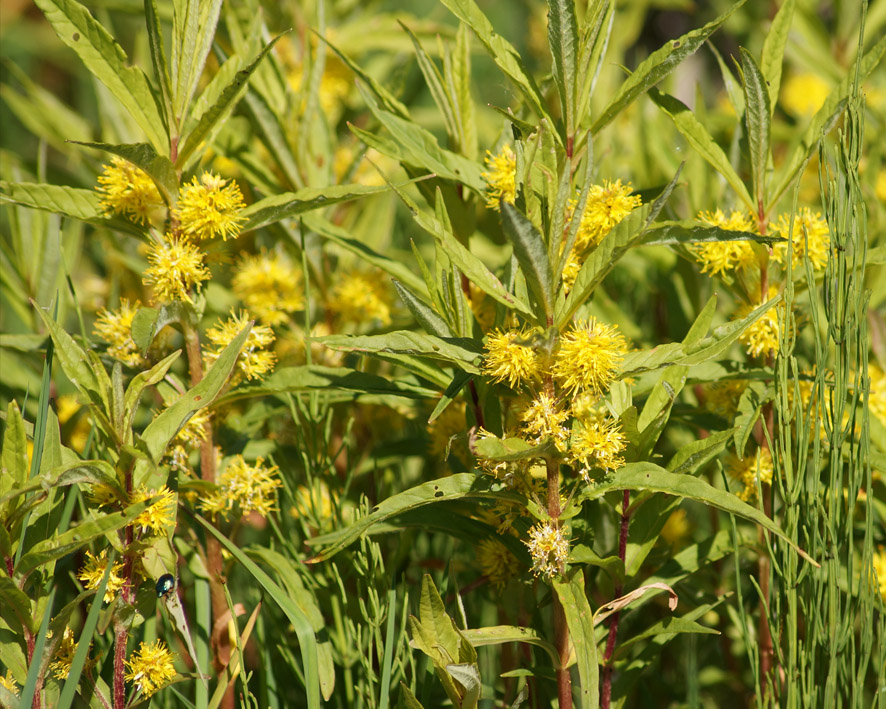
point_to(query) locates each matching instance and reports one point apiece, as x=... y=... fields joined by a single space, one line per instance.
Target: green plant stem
x=121 y=627
x=561 y=630
x=606 y=685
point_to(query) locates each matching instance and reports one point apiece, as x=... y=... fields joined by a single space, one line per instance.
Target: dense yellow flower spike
x=129 y=191
x=159 y=516
x=8 y=682
x=64 y=656
x=803 y=94
x=548 y=548
x=252 y=488
x=749 y=470
x=150 y=667
x=176 y=267
x=761 y=338
x=501 y=177
x=543 y=419
x=269 y=286
x=811 y=238
x=93 y=570
x=115 y=328
x=879 y=561
x=597 y=444
x=877 y=397
x=255 y=359
x=589 y=357
x=607 y=205
x=496 y=562
x=719 y=257
x=358 y=297
x=209 y=208
x=510 y=357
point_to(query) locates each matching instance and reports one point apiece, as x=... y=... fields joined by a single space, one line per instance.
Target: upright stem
x=606 y=688
x=561 y=629
x=121 y=627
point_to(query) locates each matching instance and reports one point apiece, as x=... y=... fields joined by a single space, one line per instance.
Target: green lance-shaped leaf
x=423 y=313
x=454 y=487
x=702 y=142
x=563 y=41
x=690 y=232
x=148 y=322
x=14 y=458
x=458 y=351
x=78 y=537
x=500 y=634
x=289 y=204
x=193 y=32
x=580 y=621
x=592 y=46
x=773 y=48
x=144 y=157
x=73 y=202
x=657 y=66
x=689 y=458
x=222 y=108
x=503 y=53
x=158 y=59
x=107 y=61
x=140 y=382
x=758 y=118
x=92 y=472
x=317 y=378
x=15 y=607
x=511 y=449
x=307 y=641
x=167 y=424
x=532 y=255
x=668 y=626
x=648 y=476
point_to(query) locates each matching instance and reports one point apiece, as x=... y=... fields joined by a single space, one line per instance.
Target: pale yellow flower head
x=597 y=443
x=64 y=656
x=544 y=418
x=877 y=396
x=8 y=682
x=176 y=267
x=761 y=337
x=607 y=205
x=115 y=328
x=191 y=437
x=250 y=488
x=129 y=191
x=496 y=562
x=511 y=358
x=718 y=257
x=160 y=516
x=255 y=359
x=880 y=185
x=750 y=470
x=501 y=177
x=879 y=561
x=93 y=570
x=360 y=297
x=589 y=357
x=269 y=286
x=810 y=237
x=803 y=94
x=151 y=667
x=209 y=208
x=548 y=548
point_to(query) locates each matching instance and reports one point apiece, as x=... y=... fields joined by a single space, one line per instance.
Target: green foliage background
x=372 y=163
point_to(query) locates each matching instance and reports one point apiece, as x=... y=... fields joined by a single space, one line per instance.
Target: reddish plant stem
x=606 y=688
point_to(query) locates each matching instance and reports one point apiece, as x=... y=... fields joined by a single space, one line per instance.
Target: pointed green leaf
x=532 y=255
x=689 y=458
x=14 y=458
x=193 y=32
x=144 y=157
x=702 y=142
x=510 y=449
x=458 y=351
x=773 y=49
x=657 y=66
x=430 y=321
x=289 y=204
x=500 y=634
x=158 y=58
x=580 y=621
x=107 y=61
x=758 y=118
x=690 y=232
x=563 y=41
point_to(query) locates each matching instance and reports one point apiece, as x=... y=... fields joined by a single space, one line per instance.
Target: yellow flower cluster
x=598 y=444
x=803 y=94
x=255 y=359
x=548 y=548
x=761 y=338
x=359 y=297
x=543 y=419
x=720 y=257
x=176 y=266
x=161 y=515
x=809 y=236
x=129 y=191
x=511 y=358
x=269 y=286
x=94 y=569
x=501 y=177
x=209 y=208
x=751 y=470
x=151 y=667
x=251 y=488
x=191 y=436
x=115 y=328
x=589 y=357
x=64 y=656
x=877 y=397
x=879 y=561
x=8 y=682
x=496 y=562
